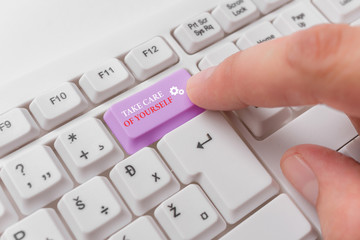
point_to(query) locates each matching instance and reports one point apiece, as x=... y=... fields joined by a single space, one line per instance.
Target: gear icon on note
x=174 y=91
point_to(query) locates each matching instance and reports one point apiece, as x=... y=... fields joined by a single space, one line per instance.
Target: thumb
x=332 y=182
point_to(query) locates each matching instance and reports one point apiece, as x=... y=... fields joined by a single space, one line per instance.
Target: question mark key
x=34 y=178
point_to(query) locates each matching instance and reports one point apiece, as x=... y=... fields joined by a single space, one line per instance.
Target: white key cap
x=298 y=109
x=142 y=228
x=339 y=11
x=278 y=220
x=106 y=80
x=144 y=180
x=17 y=127
x=356 y=23
x=319 y=125
x=262 y=122
x=216 y=57
x=207 y=150
x=266 y=6
x=150 y=58
x=58 y=105
x=8 y=215
x=43 y=224
x=189 y=215
x=35 y=178
x=88 y=149
x=262 y=32
x=94 y=210
x=299 y=17
x=233 y=14
x=352 y=149
x=198 y=33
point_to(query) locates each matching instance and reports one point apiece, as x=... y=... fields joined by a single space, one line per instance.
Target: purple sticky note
x=146 y=116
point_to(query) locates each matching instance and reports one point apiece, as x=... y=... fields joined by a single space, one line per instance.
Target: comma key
x=146 y=116
x=35 y=178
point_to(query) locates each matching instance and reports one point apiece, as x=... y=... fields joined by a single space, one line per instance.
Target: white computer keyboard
x=119 y=152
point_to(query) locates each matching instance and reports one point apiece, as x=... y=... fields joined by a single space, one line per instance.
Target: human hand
x=315 y=66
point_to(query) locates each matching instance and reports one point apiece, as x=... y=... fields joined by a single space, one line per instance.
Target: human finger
x=318 y=65
x=330 y=181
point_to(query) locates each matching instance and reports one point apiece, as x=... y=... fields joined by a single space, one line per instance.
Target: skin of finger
x=318 y=65
x=338 y=202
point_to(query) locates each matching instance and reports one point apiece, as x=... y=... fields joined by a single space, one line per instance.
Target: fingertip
x=196 y=85
x=338 y=180
x=301 y=176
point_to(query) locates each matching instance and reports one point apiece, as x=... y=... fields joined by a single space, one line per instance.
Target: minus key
x=146 y=116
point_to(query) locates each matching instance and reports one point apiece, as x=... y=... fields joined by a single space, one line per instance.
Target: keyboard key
x=299 y=109
x=198 y=33
x=189 y=215
x=278 y=220
x=233 y=14
x=356 y=23
x=267 y=6
x=17 y=127
x=106 y=80
x=339 y=11
x=94 y=210
x=146 y=116
x=143 y=180
x=216 y=57
x=299 y=17
x=57 y=106
x=261 y=32
x=8 y=215
x=150 y=58
x=319 y=125
x=43 y=224
x=35 y=178
x=352 y=149
x=262 y=122
x=88 y=149
x=142 y=228
x=206 y=150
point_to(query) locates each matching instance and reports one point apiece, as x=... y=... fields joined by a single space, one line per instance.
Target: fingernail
x=301 y=177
